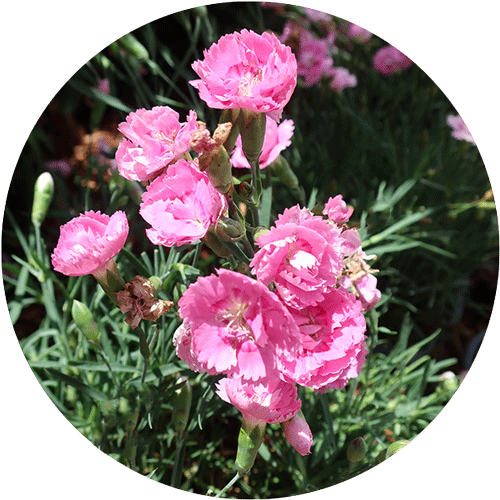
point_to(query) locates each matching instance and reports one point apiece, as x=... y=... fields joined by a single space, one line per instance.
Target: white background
x=44 y=44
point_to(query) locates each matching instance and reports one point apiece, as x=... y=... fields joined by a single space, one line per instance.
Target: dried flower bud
x=42 y=197
x=139 y=301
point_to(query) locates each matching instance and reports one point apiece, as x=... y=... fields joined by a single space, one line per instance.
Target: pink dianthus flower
x=459 y=128
x=389 y=59
x=247 y=70
x=272 y=401
x=341 y=79
x=314 y=59
x=236 y=326
x=277 y=139
x=302 y=254
x=332 y=333
x=358 y=34
x=153 y=139
x=337 y=210
x=88 y=242
x=181 y=205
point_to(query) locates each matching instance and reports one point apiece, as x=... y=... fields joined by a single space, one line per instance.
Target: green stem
x=228 y=485
x=178 y=460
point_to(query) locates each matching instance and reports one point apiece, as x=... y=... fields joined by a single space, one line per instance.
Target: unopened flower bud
x=298 y=433
x=181 y=406
x=249 y=441
x=449 y=381
x=215 y=244
x=245 y=190
x=395 y=447
x=252 y=130
x=156 y=283
x=42 y=197
x=85 y=322
x=229 y=229
x=356 y=450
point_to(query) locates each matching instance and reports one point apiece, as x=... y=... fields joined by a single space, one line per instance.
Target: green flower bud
x=85 y=322
x=229 y=229
x=245 y=190
x=449 y=381
x=395 y=447
x=249 y=441
x=182 y=405
x=252 y=130
x=42 y=197
x=215 y=244
x=157 y=284
x=356 y=450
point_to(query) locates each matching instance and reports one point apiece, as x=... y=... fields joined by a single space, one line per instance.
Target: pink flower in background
x=302 y=254
x=341 y=79
x=317 y=16
x=388 y=60
x=358 y=34
x=314 y=59
x=298 y=433
x=88 y=242
x=181 y=205
x=272 y=401
x=153 y=139
x=337 y=211
x=247 y=70
x=64 y=167
x=277 y=139
x=332 y=333
x=237 y=327
x=459 y=129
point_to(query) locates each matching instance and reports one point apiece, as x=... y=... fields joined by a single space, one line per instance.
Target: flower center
x=249 y=79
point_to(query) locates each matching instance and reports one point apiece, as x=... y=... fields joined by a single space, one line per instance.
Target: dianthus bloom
x=459 y=129
x=341 y=79
x=302 y=254
x=333 y=333
x=247 y=70
x=336 y=210
x=235 y=325
x=181 y=205
x=153 y=139
x=314 y=59
x=277 y=139
x=298 y=433
x=389 y=59
x=272 y=401
x=89 y=242
x=358 y=34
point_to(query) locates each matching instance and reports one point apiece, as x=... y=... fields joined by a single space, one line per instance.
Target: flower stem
x=228 y=485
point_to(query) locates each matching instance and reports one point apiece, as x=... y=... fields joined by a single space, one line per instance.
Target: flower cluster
x=293 y=314
x=299 y=322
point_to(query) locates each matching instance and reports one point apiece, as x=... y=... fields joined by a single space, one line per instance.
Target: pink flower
x=341 y=79
x=298 y=433
x=88 y=242
x=153 y=139
x=314 y=60
x=247 y=70
x=369 y=295
x=277 y=139
x=358 y=34
x=235 y=325
x=388 y=60
x=302 y=254
x=272 y=401
x=317 y=16
x=332 y=333
x=337 y=211
x=459 y=129
x=181 y=205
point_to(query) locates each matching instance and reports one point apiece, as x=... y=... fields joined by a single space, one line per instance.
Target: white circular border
x=45 y=43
